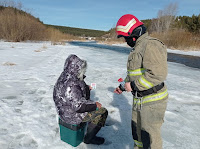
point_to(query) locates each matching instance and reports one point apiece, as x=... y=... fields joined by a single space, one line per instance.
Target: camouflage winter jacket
x=71 y=94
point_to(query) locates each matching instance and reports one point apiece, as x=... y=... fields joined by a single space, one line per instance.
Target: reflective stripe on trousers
x=138 y=144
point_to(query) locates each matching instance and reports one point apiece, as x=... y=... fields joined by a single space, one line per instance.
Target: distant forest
x=79 y=31
x=191 y=24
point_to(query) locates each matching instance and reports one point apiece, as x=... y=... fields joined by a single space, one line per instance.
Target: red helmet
x=126 y=24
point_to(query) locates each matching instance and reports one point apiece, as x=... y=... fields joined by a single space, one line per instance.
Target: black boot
x=90 y=137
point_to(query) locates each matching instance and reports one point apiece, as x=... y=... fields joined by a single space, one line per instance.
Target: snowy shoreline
x=192 y=53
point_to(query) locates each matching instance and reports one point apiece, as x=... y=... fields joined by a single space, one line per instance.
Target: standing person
x=72 y=99
x=146 y=72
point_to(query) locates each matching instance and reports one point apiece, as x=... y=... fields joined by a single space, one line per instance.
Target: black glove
x=121 y=87
x=134 y=88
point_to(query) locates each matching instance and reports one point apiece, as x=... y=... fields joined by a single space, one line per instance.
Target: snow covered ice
x=28 y=118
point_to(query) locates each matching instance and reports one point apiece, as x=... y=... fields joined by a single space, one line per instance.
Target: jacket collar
x=141 y=38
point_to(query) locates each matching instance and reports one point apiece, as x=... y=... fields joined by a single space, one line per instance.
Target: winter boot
x=90 y=137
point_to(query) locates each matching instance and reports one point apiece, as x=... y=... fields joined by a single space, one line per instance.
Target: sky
x=28 y=117
x=103 y=14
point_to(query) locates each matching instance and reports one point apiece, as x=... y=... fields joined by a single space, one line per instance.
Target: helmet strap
x=139 y=31
x=131 y=41
x=136 y=33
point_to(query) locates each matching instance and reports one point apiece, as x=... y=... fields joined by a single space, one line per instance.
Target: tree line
x=79 y=31
x=191 y=24
x=187 y=23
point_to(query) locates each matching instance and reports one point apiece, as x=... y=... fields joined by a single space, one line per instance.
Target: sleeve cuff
x=87 y=108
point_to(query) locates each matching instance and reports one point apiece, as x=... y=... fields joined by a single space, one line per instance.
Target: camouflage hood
x=75 y=67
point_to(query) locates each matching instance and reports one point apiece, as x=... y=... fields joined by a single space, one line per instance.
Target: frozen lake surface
x=28 y=118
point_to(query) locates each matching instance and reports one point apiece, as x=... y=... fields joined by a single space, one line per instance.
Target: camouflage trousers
x=97 y=117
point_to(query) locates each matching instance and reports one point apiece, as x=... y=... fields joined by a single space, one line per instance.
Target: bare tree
x=164 y=18
x=11 y=3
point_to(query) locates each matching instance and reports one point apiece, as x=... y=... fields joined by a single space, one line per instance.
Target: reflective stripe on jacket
x=147 y=66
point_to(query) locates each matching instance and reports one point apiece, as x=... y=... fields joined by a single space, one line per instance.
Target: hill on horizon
x=79 y=31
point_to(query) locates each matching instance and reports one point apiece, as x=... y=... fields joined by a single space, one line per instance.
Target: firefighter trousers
x=146 y=125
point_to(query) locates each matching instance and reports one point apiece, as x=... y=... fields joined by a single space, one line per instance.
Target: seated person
x=72 y=99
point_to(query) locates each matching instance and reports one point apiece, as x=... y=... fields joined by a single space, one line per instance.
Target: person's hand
x=90 y=87
x=98 y=105
x=117 y=91
x=127 y=86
